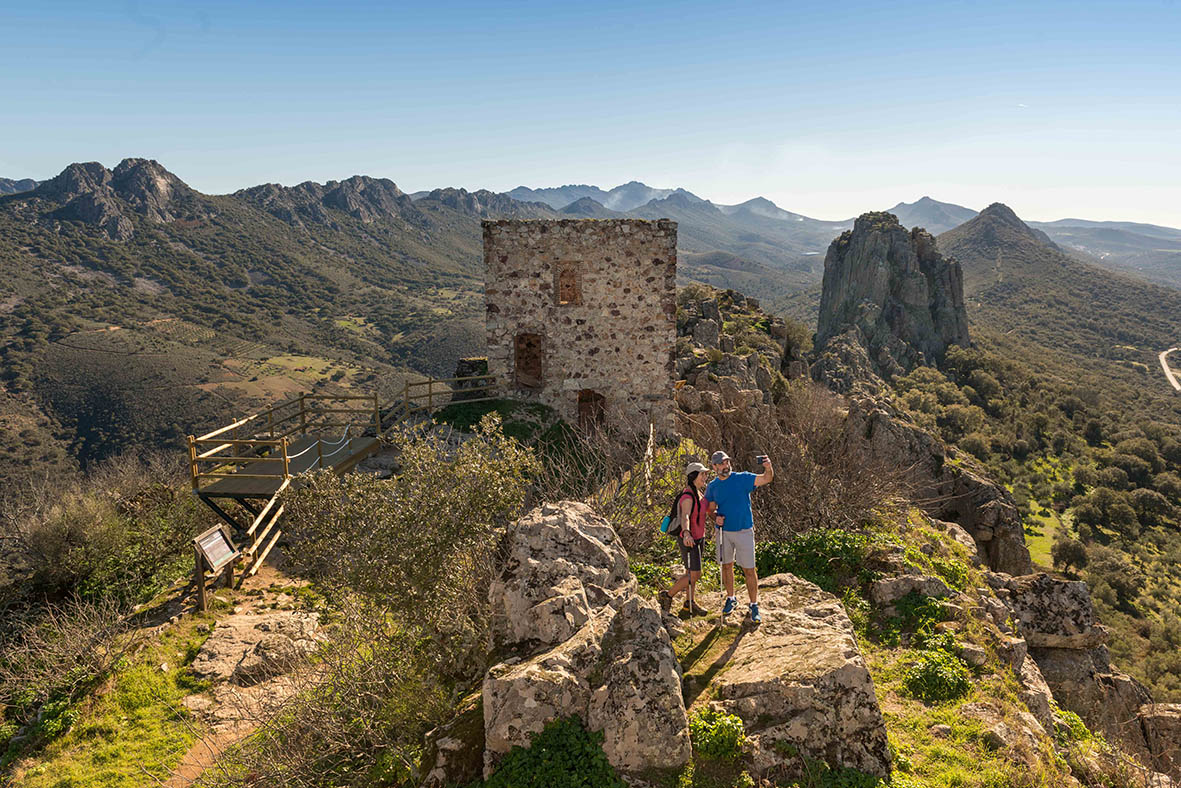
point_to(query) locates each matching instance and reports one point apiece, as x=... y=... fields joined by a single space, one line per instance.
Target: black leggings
x=691 y=556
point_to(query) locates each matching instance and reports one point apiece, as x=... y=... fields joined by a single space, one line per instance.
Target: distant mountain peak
x=931 y=214
x=1003 y=213
x=15 y=186
x=485 y=204
x=588 y=208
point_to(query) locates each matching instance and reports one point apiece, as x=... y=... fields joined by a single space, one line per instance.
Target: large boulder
x=799 y=680
x=521 y=696
x=639 y=705
x=586 y=645
x=563 y=564
x=889 y=590
x=1053 y=613
x=1084 y=682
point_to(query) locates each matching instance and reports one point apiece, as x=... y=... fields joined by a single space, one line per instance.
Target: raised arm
x=766 y=476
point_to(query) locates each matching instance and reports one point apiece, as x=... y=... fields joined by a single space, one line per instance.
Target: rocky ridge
x=12 y=186
x=362 y=197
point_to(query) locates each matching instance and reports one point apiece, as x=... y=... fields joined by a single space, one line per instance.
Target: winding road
x=1164 y=362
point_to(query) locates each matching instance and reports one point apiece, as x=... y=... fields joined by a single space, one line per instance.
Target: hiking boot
x=731 y=603
x=693 y=610
x=754 y=613
x=666 y=601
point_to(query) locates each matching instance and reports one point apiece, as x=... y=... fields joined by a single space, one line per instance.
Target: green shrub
x=716 y=734
x=955 y=573
x=936 y=677
x=651 y=576
x=123 y=533
x=831 y=558
x=563 y=755
x=423 y=557
x=1073 y=729
x=920 y=614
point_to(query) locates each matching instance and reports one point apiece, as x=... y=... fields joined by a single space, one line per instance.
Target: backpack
x=671 y=524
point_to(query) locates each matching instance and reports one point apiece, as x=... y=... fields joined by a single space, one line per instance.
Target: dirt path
x=1164 y=362
x=233 y=715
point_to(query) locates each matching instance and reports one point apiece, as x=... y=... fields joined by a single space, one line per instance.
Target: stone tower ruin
x=582 y=317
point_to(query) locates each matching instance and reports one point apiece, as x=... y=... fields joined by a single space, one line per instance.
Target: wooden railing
x=422 y=396
x=268 y=436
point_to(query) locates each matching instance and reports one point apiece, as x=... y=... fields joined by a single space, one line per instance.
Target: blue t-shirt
x=732 y=495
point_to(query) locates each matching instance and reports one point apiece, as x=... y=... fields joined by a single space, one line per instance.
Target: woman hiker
x=691 y=518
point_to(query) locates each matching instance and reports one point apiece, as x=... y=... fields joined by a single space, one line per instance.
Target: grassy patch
x=135 y=732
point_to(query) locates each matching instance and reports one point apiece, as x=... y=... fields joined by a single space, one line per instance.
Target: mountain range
x=134 y=307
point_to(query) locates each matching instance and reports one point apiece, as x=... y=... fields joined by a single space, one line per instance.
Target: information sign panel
x=216 y=547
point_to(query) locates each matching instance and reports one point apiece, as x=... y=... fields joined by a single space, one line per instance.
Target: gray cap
x=695 y=467
x=719 y=457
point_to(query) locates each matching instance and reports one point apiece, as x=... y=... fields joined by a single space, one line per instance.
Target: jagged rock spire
x=895 y=291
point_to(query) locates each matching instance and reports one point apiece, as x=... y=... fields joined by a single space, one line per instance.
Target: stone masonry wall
x=597 y=299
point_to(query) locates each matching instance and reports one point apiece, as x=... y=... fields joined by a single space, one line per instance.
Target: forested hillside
x=1062 y=399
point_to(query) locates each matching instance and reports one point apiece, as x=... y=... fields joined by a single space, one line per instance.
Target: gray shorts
x=736 y=547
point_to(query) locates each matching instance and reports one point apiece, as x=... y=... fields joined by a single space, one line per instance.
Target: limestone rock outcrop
x=1161 y=723
x=800 y=680
x=1053 y=613
x=1083 y=681
x=902 y=298
x=588 y=645
x=1068 y=658
x=983 y=508
x=564 y=563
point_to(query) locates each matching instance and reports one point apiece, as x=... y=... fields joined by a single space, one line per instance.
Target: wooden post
x=228 y=575
x=199 y=576
x=286 y=462
x=193 y=462
x=271 y=422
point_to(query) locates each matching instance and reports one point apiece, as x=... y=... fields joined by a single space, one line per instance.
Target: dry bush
x=823 y=477
x=406 y=563
x=122 y=531
x=52 y=656
x=624 y=474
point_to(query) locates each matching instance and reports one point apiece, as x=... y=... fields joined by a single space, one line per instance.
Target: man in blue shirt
x=729 y=496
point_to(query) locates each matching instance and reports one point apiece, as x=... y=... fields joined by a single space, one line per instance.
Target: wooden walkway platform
x=240 y=469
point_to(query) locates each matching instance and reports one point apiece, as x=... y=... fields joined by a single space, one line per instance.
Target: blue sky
x=830 y=109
